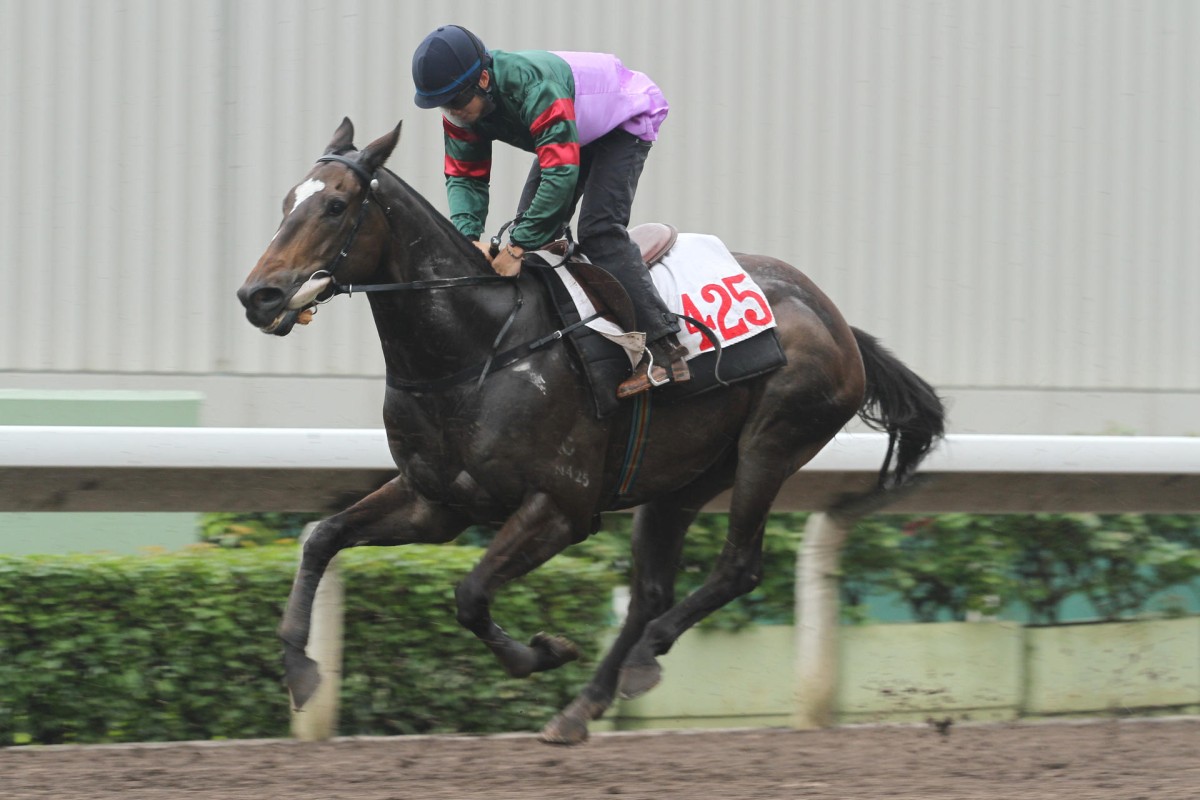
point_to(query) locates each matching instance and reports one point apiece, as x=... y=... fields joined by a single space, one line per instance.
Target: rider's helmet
x=447 y=63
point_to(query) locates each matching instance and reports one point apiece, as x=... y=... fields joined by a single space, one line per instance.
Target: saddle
x=604 y=363
x=654 y=239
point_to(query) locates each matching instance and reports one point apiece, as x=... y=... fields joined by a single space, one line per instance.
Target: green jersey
x=534 y=96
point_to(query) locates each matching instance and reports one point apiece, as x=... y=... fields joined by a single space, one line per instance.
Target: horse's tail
x=901 y=403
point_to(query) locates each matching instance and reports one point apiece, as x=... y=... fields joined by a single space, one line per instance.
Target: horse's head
x=328 y=228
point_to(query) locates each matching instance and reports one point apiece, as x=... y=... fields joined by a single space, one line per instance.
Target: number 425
x=725 y=294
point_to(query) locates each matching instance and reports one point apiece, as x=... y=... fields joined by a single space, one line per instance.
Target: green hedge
x=183 y=646
x=1040 y=568
x=1037 y=567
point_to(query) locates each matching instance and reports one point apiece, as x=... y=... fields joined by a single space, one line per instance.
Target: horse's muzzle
x=262 y=303
x=274 y=310
x=268 y=309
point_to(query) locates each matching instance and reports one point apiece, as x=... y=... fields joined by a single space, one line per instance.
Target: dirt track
x=1132 y=759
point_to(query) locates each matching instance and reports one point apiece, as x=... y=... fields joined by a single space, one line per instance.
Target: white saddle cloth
x=698 y=278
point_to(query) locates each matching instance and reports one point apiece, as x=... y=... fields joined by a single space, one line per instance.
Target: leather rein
x=495 y=360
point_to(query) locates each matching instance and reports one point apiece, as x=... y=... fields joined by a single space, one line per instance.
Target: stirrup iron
x=650 y=371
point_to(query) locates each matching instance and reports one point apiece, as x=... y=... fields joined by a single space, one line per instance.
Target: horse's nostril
x=267 y=298
x=264 y=299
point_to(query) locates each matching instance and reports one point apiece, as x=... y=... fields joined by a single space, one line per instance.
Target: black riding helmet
x=447 y=62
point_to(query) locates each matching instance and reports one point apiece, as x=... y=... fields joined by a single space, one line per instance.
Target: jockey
x=591 y=123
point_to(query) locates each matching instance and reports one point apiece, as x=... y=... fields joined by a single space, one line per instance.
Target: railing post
x=817 y=588
x=319 y=718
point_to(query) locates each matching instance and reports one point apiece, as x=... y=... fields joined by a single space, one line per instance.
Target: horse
x=508 y=443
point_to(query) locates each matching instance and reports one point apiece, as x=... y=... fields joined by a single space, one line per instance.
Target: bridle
x=494 y=360
x=371 y=184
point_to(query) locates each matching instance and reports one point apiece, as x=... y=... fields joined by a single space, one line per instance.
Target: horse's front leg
x=530 y=537
x=393 y=514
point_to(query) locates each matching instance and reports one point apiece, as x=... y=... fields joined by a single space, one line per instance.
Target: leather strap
x=507 y=358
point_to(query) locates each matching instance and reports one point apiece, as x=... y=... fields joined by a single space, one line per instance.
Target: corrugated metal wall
x=1005 y=191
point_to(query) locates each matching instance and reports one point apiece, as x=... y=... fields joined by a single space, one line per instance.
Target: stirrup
x=643 y=377
x=666 y=372
x=641 y=380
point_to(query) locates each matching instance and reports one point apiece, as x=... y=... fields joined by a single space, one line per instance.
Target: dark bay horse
x=522 y=451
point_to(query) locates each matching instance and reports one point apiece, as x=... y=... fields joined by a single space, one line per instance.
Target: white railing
x=45 y=468
x=63 y=468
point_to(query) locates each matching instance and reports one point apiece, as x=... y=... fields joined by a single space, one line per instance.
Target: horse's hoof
x=570 y=726
x=637 y=679
x=564 y=730
x=301 y=675
x=552 y=651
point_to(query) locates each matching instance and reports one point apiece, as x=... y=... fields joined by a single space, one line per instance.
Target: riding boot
x=663 y=362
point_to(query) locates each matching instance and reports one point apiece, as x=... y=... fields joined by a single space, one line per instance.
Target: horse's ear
x=343 y=138
x=376 y=153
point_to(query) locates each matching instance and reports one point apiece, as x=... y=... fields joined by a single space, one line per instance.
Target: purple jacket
x=608 y=95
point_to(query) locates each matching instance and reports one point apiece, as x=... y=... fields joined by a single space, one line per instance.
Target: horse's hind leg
x=392 y=515
x=658 y=533
x=738 y=569
x=659 y=529
x=530 y=537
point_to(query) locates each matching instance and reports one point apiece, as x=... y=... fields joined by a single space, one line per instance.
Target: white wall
x=1004 y=190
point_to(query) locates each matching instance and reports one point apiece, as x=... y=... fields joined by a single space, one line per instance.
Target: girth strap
x=635 y=447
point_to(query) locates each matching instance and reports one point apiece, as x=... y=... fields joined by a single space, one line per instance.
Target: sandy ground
x=1129 y=759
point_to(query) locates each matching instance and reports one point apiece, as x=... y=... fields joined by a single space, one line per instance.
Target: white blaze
x=306 y=190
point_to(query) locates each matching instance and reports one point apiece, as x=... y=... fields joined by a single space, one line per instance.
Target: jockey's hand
x=508 y=263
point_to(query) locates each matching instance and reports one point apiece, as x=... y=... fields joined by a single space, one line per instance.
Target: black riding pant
x=609 y=169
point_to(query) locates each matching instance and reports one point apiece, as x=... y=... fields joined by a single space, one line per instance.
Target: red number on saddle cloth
x=749 y=314
x=690 y=310
x=724 y=294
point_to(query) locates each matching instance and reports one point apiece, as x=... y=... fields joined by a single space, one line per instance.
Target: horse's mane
x=441 y=220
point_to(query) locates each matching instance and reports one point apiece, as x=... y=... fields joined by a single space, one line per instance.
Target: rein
x=494 y=360
x=417 y=286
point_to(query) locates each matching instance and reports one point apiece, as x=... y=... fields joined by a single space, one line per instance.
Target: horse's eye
x=335 y=207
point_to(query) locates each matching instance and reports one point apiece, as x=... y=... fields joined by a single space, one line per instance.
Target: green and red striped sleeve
x=468 y=172
x=549 y=110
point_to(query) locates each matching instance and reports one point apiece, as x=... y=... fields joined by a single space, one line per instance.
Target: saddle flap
x=654 y=239
x=606 y=292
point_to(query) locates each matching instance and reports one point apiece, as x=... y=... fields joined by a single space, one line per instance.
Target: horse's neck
x=427 y=333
